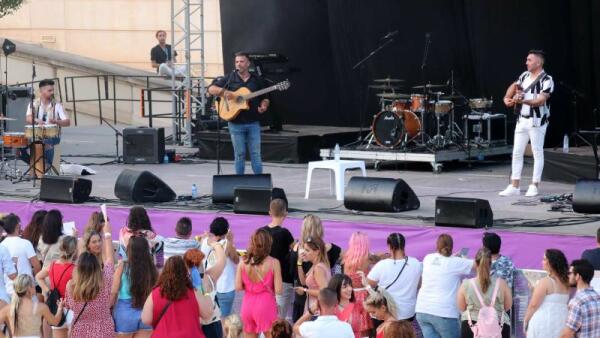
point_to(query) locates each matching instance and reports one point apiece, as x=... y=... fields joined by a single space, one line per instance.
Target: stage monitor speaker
x=380 y=194
x=65 y=189
x=586 y=198
x=223 y=186
x=250 y=200
x=142 y=186
x=143 y=145
x=463 y=212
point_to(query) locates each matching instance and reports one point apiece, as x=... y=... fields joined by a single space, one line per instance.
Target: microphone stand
x=424 y=82
x=384 y=42
x=117 y=159
x=218 y=98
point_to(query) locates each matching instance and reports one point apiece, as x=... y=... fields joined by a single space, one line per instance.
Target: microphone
x=428 y=36
x=389 y=35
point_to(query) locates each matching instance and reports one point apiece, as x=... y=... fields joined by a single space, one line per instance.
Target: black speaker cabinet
x=65 y=189
x=380 y=194
x=249 y=200
x=143 y=145
x=463 y=212
x=586 y=198
x=223 y=186
x=142 y=186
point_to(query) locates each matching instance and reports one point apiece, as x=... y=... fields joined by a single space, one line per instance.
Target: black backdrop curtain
x=484 y=43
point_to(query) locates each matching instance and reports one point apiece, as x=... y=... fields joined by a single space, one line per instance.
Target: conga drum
x=36 y=160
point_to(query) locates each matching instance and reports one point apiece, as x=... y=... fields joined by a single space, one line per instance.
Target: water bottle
x=566 y=144
x=166 y=159
x=336 y=152
x=194 y=191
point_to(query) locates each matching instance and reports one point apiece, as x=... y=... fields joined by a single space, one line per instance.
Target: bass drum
x=388 y=129
x=412 y=124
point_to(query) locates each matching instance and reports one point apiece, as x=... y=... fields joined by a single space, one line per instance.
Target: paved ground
x=93 y=145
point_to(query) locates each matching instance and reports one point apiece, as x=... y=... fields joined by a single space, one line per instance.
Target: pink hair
x=357 y=253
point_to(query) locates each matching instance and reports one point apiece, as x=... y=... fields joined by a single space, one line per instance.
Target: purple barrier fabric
x=526 y=249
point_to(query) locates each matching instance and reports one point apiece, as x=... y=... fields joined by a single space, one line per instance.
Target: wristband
x=107 y=234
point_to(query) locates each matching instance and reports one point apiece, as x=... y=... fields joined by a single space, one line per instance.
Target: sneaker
x=510 y=191
x=532 y=191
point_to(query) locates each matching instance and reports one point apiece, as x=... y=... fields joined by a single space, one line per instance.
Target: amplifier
x=143 y=145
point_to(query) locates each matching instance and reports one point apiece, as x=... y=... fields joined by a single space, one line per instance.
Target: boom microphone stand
x=218 y=98
x=424 y=82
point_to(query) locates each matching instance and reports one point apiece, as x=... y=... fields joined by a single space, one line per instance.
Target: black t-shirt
x=592 y=256
x=254 y=83
x=159 y=55
x=280 y=249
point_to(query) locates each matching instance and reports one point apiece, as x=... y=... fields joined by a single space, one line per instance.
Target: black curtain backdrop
x=484 y=43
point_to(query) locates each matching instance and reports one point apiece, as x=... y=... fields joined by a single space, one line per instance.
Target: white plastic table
x=337 y=174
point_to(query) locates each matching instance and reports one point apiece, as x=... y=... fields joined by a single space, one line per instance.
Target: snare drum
x=14 y=140
x=417 y=102
x=400 y=105
x=480 y=103
x=442 y=107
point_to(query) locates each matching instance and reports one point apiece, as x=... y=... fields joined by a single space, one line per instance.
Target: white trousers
x=166 y=70
x=525 y=132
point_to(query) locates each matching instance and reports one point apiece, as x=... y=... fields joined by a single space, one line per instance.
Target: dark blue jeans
x=246 y=135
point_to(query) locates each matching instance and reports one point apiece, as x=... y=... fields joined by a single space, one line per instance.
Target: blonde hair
x=232 y=325
x=21 y=285
x=311 y=227
x=483 y=260
x=381 y=298
x=87 y=278
x=68 y=248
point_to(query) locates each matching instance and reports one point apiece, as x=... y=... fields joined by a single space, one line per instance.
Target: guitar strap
x=531 y=85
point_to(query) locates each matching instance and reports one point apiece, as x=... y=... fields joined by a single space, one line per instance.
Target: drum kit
x=424 y=118
x=33 y=136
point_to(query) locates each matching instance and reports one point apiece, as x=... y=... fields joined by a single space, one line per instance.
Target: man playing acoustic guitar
x=529 y=95
x=245 y=127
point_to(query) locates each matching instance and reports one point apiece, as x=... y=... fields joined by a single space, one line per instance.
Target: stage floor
x=483 y=180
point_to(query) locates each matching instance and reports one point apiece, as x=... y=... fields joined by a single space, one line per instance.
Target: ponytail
x=483 y=259
x=20 y=286
x=15 y=301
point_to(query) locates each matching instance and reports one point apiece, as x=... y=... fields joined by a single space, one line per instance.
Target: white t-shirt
x=58 y=113
x=326 y=326
x=404 y=290
x=226 y=282
x=441 y=280
x=23 y=250
x=7 y=267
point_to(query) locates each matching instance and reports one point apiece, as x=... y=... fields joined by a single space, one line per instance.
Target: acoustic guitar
x=229 y=109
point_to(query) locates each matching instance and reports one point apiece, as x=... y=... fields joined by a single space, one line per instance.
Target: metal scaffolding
x=187 y=36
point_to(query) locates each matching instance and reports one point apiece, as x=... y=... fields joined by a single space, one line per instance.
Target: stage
x=93 y=146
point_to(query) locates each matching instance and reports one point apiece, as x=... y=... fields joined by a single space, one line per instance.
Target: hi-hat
x=384 y=87
x=393 y=96
x=3 y=118
x=429 y=85
x=388 y=80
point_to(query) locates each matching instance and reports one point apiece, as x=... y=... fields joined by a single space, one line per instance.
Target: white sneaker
x=532 y=191
x=510 y=191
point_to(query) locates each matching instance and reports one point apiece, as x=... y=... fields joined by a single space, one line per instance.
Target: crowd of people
x=146 y=285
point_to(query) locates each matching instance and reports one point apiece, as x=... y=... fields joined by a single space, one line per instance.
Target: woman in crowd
x=381 y=306
x=59 y=273
x=347 y=303
x=319 y=274
x=33 y=231
x=88 y=293
x=437 y=313
x=356 y=263
x=51 y=234
x=281 y=329
x=312 y=227
x=232 y=326
x=138 y=224
x=400 y=275
x=468 y=302
x=400 y=329
x=212 y=269
x=24 y=315
x=173 y=308
x=547 y=311
x=92 y=244
x=259 y=275
x=132 y=283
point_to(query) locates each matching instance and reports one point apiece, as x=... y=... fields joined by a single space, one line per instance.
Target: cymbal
x=384 y=87
x=429 y=85
x=2 y=118
x=393 y=96
x=388 y=80
x=450 y=97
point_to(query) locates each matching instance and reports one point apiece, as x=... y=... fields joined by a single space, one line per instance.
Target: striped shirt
x=584 y=314
x=545 y=85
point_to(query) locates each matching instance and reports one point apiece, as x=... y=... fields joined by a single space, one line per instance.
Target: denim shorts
x=127 y=319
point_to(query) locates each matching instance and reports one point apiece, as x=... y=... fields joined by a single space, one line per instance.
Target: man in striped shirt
x=532 y=91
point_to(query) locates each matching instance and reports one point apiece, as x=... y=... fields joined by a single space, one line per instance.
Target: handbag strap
x=61 y=275
x=399 y=273
x=162 y=313
x=79 y=315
